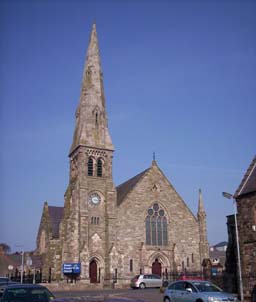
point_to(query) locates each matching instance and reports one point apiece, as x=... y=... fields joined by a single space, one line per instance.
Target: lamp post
x=230 y=196
x=22 y=263
x=22 y=267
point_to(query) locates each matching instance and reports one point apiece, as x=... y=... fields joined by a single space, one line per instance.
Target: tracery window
x=99 y=168
x=156 y=226
x=90 y=167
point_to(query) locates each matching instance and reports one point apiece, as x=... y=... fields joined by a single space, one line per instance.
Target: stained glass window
x=156 y=226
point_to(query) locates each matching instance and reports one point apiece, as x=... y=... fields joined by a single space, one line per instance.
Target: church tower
x=201 y=217
x=88 y=227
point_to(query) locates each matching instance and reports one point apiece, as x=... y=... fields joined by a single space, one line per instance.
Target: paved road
x=118 y=295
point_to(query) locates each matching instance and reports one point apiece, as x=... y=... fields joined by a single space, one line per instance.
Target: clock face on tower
x=94 y=198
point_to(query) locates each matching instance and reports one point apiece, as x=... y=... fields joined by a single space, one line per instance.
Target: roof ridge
x=245 y=186
x=124 y=188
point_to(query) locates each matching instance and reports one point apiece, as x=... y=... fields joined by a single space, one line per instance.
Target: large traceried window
x=156 y=226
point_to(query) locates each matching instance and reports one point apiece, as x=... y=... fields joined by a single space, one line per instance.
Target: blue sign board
x=69 y=268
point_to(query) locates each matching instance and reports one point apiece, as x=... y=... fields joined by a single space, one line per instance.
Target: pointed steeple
x=91 y=117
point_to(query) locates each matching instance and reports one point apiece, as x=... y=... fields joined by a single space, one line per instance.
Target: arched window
x=96 y=118
x=99 y=168
x=131 y=265
x=90 y=167
x=156 y=226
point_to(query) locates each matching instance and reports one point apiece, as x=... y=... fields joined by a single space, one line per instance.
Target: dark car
x=25 y=293
x=4 y=281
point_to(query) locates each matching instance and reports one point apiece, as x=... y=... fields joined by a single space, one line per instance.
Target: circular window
x=155 y=207
x=161 y=212
x=150 y=212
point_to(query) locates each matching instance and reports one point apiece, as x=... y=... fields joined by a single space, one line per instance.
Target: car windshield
x=206 y=287
x=28 y=294
x=4 y=279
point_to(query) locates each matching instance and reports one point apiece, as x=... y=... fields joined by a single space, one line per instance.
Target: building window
x=99 y=168
x=95 y=220
x=90 y=167
x=183 y=266
x=156 y=226
x=187 y=261
x=131 y=265
x=192 y=258
x=96 y=118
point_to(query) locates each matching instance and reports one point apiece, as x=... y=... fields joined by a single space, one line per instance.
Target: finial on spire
x=154 y=159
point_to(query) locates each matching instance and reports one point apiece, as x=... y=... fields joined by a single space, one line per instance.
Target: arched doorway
x=93 y=271
x=156 y=267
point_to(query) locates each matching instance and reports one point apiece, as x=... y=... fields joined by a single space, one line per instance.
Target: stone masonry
x=143 y=225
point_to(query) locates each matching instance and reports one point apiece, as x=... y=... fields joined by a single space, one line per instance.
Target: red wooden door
x=93 y=271
x=156 y=268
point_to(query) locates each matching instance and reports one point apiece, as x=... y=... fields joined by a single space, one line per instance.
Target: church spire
x=91 y=117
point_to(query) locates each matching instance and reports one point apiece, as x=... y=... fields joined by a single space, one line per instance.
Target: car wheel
x=199 y=300
x=166 y=299
x=142 y=285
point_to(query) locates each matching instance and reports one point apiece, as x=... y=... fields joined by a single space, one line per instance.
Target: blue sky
x=180 y=81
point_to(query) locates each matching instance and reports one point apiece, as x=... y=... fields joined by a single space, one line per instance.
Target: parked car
x=166 y=283
x=196 y=291
x=93 y=299
x=25 y=293
x=4 y=280
x=148 y=280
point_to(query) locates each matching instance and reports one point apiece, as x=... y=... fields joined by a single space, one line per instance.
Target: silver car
x=196 y=291
x=147 y=280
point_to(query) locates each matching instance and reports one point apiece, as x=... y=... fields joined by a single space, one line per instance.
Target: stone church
x=140 y=226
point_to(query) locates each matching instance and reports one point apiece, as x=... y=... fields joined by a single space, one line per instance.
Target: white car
x=147 y=280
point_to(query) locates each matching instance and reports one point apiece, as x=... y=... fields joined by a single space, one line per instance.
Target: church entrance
x=93 y=271
x=156 y=267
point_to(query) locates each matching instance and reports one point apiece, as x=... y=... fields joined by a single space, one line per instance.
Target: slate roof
x=248 y=184
x=124 y=188
x=56 y=214
x=221 y=244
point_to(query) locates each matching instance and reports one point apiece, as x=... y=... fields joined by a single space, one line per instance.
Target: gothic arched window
x=90 y=167
x=156 y=226
x=131 y=265
x=99 y=167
